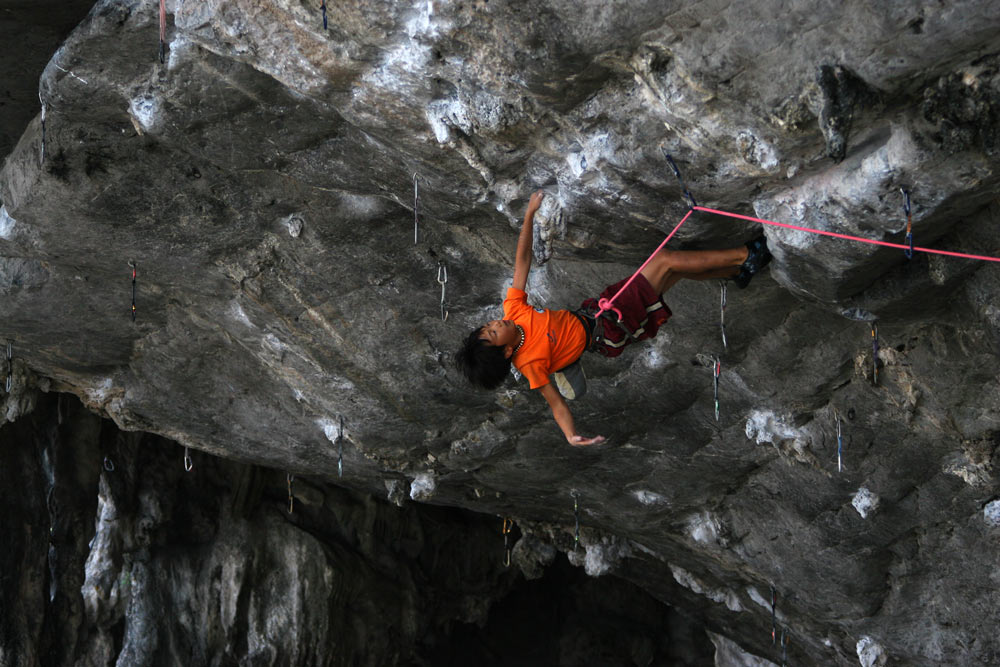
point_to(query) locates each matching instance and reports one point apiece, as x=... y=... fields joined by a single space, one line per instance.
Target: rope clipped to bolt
x=909 y=223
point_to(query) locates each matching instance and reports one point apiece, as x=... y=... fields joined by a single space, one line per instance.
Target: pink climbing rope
x=606 y=305
x=984 y=258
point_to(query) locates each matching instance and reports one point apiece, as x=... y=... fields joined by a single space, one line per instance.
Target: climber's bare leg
x=669 y=266
x=706 y=275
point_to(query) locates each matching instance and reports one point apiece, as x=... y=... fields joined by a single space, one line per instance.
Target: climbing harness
x=340 y=448
x=132 y=264
x=716 y=369
x=323 y=7
x=163 y=29
x=109 y=465
x=10 y=365
x=875 y=354
x=774 y=625
x=722 y=315
x=508 y=524
x=576 y=518
x=677 y=173
x=909 y=223
x=443 y=281
x=291 y=498
x=840 y=441
x=416 y=209
x=188 y=463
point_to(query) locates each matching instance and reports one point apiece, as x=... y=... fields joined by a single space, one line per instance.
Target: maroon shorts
x=643 y=312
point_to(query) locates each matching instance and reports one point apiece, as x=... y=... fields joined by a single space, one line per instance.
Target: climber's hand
x=536 y=201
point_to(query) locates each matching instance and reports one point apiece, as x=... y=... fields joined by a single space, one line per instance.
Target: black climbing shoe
x=758 y=256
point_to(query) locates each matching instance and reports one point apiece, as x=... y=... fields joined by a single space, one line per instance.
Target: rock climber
x=539 y=341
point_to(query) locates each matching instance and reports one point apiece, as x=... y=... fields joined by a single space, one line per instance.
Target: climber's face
x=500 y=333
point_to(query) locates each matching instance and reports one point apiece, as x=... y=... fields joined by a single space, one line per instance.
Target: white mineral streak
x=6 y=224
x=331 y=428
x=603 y=556
x=689 y=581
x=766 y=426
x=865 y=502
x=870 y=653
x=991 y=513
x=730 y=654
x=704 y=527
x=423 y=486
x=648 y=497
x=237 y=313
x=146 y=110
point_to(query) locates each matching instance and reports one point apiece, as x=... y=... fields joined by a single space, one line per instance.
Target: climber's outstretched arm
x=522 y=256
x=563 y=417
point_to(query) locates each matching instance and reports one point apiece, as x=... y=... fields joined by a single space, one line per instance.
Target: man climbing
x=539 y=341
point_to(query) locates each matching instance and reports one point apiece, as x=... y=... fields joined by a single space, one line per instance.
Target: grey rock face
x=254 y=333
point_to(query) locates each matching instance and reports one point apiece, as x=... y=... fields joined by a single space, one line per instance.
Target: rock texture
x=264 y=181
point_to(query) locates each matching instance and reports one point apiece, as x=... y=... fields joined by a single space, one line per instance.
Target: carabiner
x=442 y=279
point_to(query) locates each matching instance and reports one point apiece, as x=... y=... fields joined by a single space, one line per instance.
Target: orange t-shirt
x=553 y=339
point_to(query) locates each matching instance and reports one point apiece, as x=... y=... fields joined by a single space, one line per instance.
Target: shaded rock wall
x=262 y=181
x=122 y=556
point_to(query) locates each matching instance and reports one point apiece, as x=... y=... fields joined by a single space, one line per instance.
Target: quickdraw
x=722 y=315
x=163 y=29
x=416 y=209
x=291 y=499
x=442 y=279
x=716 y=370
x=43 y=126
x=774 y=624
x=677 y=173
x=188 y=462
x=508 y=525
x=875 y=354
x=323 y=7
x=109 y=465
x=132 y=264
x=909 y=223
x=784 y=648
x=10 y=365
x=340 y=448
x=840 y=441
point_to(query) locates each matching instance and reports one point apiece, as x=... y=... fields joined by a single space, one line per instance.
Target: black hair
x=482 y=364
